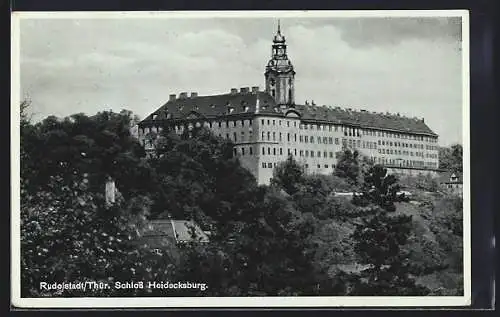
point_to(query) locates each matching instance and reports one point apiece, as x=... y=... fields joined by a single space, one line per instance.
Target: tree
x=379 y=240
x=288 y=175
x=348 y=166
x=450 y=158
x=67 y=232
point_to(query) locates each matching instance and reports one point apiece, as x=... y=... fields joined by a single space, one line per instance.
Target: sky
x=411 y=66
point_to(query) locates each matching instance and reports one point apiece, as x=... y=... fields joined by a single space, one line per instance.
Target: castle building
x=267 y=126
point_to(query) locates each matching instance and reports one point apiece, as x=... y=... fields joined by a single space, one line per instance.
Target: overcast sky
x=408 y=65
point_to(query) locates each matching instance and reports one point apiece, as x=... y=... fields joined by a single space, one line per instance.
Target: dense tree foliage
x=348 y=166
x=450 y=158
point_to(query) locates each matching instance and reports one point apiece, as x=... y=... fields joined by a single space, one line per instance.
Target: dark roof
x=245 y=104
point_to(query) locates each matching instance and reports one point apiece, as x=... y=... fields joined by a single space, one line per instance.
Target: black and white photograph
x=240 y=159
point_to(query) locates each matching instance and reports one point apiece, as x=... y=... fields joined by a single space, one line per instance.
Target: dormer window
x=245 y=108
x=155 y=116
x=169 y=115
x=230 y=110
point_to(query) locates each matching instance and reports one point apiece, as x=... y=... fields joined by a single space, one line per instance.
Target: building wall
x=263 y=141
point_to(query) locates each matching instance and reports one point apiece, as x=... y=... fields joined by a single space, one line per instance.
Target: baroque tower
x=279 y=74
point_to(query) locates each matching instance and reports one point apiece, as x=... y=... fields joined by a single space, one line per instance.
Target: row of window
x=400 y=144
x=405 y=163
x=347 y=130
x=272 y=165
x=273 y=122
x=242 y=136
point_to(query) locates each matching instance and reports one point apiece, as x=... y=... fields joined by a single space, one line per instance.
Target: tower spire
x=279 y=71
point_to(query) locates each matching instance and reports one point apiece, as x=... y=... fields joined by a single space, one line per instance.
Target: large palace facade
x=267 y=126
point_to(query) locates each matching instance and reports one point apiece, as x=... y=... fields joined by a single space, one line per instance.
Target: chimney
x=255 y=89
x=194 y=94
x=234 y=91
x=110 y=191
x=172 y=97
x=183 y=95
x=244 y=90
x=312 y=103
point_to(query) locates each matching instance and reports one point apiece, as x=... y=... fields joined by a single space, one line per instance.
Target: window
x=288 y=123
x=330 y=140
x=264 y=165
x=280 y=136
x=274 y=122
x=307 y=165
x=263 y=135
x=250 y=149
x=268 y=122
x=325 y=140
x=274 y=151
x=326 y=165
x=311 y=139
x=227 y=135
x=250 y=122
x=312 y=153
x=336 y=128
x=234 y=134
x=301 y=153
x=242 y=136
x=234 y=123
x=268 y=135
x=307 y=153
x=295 y=137
x=220 y=124
x=242 y=151
x=274 y=136
x=306 y=139
x=319 y=166
x=319 y=140
x=295 y=152
x=288 y=137
x=325 y=154
x=269 y=151
x=281 y=151
x=263 y=151
x=270 y=165
x=300 y=138
x=337 y=141
x=289 y=152
x=262 y=121
x=319 y=153
x=235 y=151
x=331 y=154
